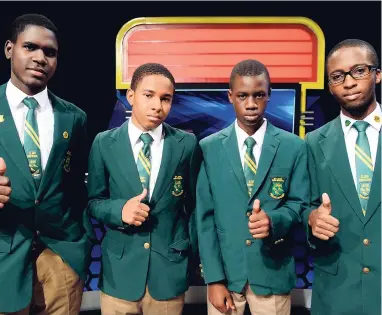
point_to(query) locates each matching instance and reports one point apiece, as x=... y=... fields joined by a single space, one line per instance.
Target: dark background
x=87 y=31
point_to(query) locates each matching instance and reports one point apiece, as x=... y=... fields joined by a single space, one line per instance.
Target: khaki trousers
x=259 y=305
x=57 y=289
x=145 y=306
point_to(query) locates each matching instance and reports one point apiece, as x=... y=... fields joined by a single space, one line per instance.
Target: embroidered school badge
x=277 y=189
x=178 y=187
x=67 y=161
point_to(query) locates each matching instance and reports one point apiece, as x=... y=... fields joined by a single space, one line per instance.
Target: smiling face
x=33 y=58
x=356 y=97
x=249 y=96
x=151 y=101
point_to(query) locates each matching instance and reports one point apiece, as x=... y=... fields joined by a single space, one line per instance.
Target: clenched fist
x=5 y=189
x=134 y=212
x=259 y=223
x=323 y=224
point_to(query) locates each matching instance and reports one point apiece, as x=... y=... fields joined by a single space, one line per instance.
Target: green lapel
x=230 y=145
x=10 y=138
x=172 y=153
x=268 y=153
x=375 y=192
x=123 y=155
x=334 y=149
x=63 y=122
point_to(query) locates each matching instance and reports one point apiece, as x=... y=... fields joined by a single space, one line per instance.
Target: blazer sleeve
x=190 y=203
x=289 y=213
x=209 y=247
x=100 y=206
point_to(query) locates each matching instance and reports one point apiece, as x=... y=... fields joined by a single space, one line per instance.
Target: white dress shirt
x=156 y=149
x=351 y=134
x=259 y=138
x=44 y=116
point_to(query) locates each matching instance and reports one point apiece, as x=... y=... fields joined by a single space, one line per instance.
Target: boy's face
x=151 y=101
x=249 y=96
x=353 y=95
x=33 y=58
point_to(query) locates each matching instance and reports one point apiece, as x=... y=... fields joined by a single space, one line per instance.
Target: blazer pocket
x=326 y=265
x=112 y=247
x=179 y=250
x=5 y=243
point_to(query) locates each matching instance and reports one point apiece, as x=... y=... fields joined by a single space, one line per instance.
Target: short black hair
x=248 y=68
x=31 y=19
x=150 y=69
x=355 y=43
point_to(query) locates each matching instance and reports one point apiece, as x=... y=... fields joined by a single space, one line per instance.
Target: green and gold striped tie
x=250 y=167
x=144 y=163
x=364 y=164
x=32 y=140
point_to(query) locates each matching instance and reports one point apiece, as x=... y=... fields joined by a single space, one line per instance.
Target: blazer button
x=146 y=245
x=366 y=242
x=366 y=270
x=36 y=202
x=248 y=242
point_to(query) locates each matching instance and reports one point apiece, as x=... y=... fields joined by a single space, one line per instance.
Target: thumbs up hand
x=324 y=225
x=135 y=212
x=5 y=189
x=259 y=223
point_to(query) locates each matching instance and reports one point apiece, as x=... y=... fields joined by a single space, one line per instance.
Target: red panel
x=197 y=53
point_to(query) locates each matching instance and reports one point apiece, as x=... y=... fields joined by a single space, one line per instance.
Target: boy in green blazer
x=142 y=179
x=252 y=187
x=344 y=221
x=43 y=245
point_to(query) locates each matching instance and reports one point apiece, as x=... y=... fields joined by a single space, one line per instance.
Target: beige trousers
x=259 y=305
x=57 y=289
x=145 y=306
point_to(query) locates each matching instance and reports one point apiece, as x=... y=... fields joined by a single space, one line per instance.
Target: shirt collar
x=15 y=97
x=135 y=133
x=258 y=135
x=374 y=119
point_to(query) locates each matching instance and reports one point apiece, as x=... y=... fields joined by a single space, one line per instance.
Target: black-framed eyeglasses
x=356 y=73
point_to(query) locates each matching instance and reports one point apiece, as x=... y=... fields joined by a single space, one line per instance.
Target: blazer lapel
x=172 y=153
x=334 y=149
x=230 y=145
x=10 y=139
x=375 y=192
x=123 y=155
x=63 y=124
x=268 y=153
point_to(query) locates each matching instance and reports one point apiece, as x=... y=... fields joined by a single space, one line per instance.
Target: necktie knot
x=30 y=102
x=361 y=125
x=146 y=138
x=250 y=143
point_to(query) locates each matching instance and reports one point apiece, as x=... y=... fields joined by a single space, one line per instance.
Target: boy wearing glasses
x=344 y=220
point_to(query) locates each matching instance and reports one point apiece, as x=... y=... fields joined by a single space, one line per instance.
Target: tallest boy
x=43 y=247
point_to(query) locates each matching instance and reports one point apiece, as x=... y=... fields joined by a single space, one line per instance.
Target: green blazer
x=228 y=251
x=340 y=285
x=156 y=253
x=54 y=211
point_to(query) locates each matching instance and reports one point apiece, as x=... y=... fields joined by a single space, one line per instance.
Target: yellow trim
x=144 y=162
x=145 y=158
x=370 y=166
x=250 y=160
x=313 y=26
x=144 y=165
x=28 y=126
x=33 y=138
x=363 y=153
x=250 y=166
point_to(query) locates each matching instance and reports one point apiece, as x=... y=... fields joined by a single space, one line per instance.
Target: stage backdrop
x=201 y=52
